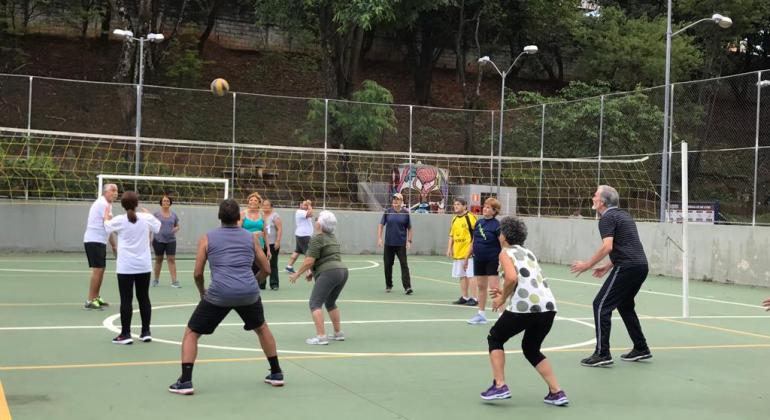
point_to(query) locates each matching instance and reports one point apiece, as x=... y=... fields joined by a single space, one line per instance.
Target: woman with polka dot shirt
x=531 y=308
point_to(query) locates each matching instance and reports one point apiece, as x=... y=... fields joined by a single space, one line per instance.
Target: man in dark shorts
x=95 y=241
x=303 y=219
x=620 y=240
x=231 y=250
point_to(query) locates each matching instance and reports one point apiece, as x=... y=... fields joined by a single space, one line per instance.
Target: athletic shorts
x=459 y=271
x=303 y=242
x=96 y=252
x=485 y=268
x=207 y=316
x=168 y=248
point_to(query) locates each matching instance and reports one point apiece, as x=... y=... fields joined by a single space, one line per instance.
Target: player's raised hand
x=766 y=304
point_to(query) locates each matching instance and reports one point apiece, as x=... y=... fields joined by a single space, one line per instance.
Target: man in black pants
x=620 y=240
x=398 y=239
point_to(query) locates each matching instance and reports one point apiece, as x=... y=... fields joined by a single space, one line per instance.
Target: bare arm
x=379 y=235
x=200 y=264
x=511 y=278
x=262 y=261
x=449 y=247
x=604 y=250
x=307 y=263
x=278 y=233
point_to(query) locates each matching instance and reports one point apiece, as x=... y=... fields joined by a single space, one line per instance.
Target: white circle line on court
x=109 y=323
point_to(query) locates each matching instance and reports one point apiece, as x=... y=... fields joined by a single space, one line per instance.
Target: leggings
x=126 y=284
x=273 y=266
x=327 y=288
x=535 y=326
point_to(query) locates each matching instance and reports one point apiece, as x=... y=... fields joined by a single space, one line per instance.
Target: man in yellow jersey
x=459 y=248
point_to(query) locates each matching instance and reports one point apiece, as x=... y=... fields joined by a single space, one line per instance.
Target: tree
x=339 y=25
x=627 y=52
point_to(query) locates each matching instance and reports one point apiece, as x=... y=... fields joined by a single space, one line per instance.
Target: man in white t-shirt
x=303 y=219
x=95 y=241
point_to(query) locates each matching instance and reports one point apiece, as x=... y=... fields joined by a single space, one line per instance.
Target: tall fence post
x=326 y=145
x=542 y=147
x=492 y=151
x=670 y=140
x=601 y=138
x=756 y=148
x=232 y=161
x=29 y=134
x=411 y=128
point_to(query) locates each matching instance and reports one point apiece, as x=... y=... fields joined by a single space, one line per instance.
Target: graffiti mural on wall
x=426 y=185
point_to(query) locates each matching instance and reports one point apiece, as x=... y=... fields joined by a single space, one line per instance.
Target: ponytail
x=131 y=214
x=130 y=201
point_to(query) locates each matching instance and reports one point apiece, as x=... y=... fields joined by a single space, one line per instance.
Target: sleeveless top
x=532 y=294
x=254 y=226
x=230 y=255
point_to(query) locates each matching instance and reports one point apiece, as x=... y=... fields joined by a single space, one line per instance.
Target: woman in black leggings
x=134 y=263
x=531 y=308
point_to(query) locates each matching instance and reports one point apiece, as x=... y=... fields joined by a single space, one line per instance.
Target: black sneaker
x=183 y=388
x=472 y=302
x=123 y=339
x=409 y=291
x=145 y=337
x=274 y=379
x=636 y=355
x=596 y=360
x=461 y=301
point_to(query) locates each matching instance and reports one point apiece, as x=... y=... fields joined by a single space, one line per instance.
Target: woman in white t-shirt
x=531 y=308
x=134 y=263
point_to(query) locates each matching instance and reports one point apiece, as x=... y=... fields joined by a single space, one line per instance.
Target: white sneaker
x=340 y=336
x=317 y=341
x=478 y=319
x=155 y=283
x=175 y=284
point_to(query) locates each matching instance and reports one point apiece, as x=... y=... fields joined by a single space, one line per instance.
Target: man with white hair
x=95 y=241
x=620 y=240
x=323 y=256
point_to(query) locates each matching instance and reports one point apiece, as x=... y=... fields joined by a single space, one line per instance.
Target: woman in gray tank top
x=323 y=255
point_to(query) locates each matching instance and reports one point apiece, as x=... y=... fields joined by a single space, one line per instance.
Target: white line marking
x=372 y=264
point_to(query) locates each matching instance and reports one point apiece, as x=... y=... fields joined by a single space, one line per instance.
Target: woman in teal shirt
x=251 y=220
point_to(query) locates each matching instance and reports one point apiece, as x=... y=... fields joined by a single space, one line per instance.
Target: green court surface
x=410 y=357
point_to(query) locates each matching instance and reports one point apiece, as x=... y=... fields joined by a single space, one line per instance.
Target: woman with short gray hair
x=323 y=256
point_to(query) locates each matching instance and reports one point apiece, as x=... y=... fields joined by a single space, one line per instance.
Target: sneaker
x=494 y=393
x=472 y=302
x=596 y=360
x=388 y=289
x=101 y=302
x=274 y=379
x=290 y=269
x=460 y=301
x=317 y=341
x=93 y=304
x=340 y=336
x=478 y=319
x=176 y=284
x=273 y=287
x=636 y=355
x=123 y=339
x=409 y=291
x=183 y=388
x=145 y=337
x=155 y=283
x=556 y=398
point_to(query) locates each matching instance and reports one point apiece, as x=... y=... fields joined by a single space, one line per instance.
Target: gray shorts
x=303 y=242
x=327 y=288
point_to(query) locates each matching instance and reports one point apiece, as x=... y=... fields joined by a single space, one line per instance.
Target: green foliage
x=359 y=124
x=628 y=52
x=572 y=128
x=182 y=65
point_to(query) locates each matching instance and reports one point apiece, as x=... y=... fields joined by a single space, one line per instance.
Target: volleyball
x=220 y=87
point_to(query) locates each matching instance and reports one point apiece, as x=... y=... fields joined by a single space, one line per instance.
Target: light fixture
x=724 y=22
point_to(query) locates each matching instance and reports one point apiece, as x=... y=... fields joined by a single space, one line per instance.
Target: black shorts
x=303 y=242
x=168 y=248
x=96 y=252
x=485 y=268
x=208 y=316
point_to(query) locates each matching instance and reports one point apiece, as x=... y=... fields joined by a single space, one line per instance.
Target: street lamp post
x=529 y=49
x=723 y=22
x=151 y=37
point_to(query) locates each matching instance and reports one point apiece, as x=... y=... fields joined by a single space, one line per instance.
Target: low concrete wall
x=733 y=254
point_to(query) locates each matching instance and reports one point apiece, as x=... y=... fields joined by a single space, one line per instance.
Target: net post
x=411 y=121
x=542 y=146
x=326 y=145
x=29 y=134
x=100 y=184
x=756 y=148
x=492 y=150
x=601 y=138
x=685 y=246
x=232 y=162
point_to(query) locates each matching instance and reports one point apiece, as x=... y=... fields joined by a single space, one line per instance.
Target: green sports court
x=408 y=357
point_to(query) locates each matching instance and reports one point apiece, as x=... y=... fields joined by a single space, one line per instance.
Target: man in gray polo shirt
x=620 y=240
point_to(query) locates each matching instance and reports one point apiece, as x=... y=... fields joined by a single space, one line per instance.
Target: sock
x=466 y=297
x=274 y=366
x=186 y=372
x=482 y=313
